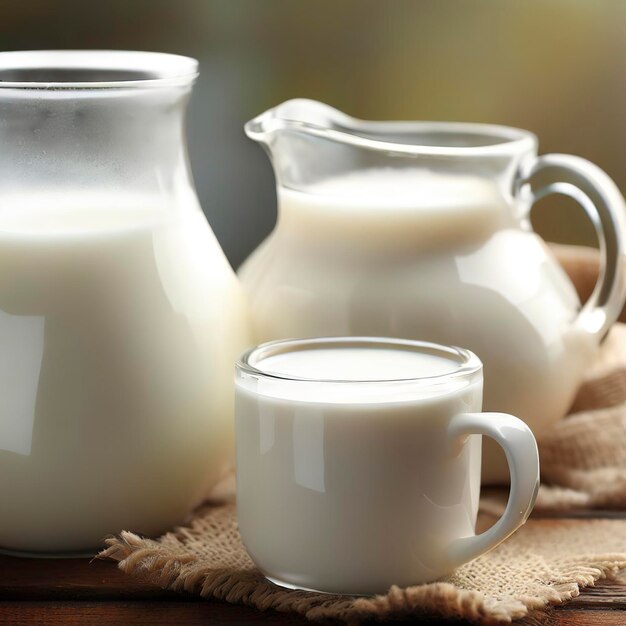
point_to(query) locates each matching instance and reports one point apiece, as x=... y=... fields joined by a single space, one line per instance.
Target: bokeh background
x=556 y=67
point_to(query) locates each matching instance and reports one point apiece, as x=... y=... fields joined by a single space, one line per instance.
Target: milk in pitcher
x=117 y=395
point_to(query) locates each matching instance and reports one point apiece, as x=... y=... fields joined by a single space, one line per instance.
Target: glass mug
x=359 y=459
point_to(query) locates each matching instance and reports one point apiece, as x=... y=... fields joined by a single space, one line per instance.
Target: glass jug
x=421 y=230
x=120 y=317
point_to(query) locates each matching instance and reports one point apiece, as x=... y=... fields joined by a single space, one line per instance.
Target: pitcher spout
x=308 y=141
x=297 y=114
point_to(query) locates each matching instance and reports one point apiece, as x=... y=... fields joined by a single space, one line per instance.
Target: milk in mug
x=358 y=462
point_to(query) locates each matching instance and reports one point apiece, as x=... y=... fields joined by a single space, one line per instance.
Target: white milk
x=356 y=364
x=430 y=256
x=118 y=328
x=411 y=206
x=350 y=481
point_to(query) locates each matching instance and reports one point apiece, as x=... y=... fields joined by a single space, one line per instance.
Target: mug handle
x=599 y=196
x=520 y=448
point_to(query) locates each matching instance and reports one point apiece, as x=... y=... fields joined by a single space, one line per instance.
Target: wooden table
x=80 y=591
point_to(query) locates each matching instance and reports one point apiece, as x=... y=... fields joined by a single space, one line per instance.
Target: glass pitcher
x=421 y=230
x=120 y=317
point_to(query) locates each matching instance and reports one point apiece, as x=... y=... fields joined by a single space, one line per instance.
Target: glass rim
x=468 y=362
x=498 y=140
x=160 y=68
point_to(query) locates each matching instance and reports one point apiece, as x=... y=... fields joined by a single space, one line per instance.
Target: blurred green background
x=556 y=67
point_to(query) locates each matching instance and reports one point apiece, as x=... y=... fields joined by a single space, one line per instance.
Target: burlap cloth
x=546 y=562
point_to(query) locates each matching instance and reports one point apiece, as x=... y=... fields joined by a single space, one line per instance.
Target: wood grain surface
x=80 y=591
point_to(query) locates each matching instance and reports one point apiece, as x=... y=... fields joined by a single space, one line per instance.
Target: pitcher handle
x=599 y=196
x=520 y=447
